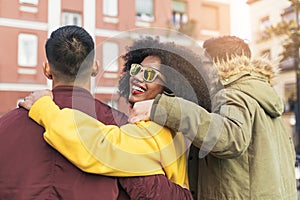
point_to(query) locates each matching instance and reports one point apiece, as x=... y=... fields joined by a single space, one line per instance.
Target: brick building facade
x=26 y=24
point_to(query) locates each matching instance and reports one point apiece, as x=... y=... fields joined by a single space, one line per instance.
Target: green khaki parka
x=245 y=151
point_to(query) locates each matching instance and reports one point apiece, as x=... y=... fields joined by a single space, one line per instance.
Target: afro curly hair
x=181 y=67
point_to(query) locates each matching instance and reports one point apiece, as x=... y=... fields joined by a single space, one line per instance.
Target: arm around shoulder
x=179 y=115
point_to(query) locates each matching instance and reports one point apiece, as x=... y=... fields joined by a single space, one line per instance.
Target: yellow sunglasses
x=149 y=75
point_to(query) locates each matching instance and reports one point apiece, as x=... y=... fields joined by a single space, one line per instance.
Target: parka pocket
x=233 y=113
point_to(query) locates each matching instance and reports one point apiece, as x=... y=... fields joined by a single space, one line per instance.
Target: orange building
x=26 y=24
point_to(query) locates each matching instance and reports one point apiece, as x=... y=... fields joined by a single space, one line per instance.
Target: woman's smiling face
x=141 y=90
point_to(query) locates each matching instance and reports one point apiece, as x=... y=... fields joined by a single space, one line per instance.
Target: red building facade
x=26 y=24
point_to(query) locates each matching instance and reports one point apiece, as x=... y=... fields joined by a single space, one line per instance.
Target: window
x=179 y=13
x=33 y=2
x=110 y=8
x=110 y=56
x=144 y=10
x=71 y=18
x=27 y=50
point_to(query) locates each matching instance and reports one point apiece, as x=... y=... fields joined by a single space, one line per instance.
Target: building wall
x=207 y=18
x=213 y=18
x=10 y=71
x=284 y=81
x=259 y=10
x=272 y=9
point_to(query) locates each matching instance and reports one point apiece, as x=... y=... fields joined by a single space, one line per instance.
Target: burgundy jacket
x=31 y=169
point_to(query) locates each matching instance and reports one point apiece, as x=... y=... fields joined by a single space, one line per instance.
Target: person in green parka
x=244 y=150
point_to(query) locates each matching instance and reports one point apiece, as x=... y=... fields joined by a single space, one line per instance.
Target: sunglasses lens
x=149 y=75
x=135 y=69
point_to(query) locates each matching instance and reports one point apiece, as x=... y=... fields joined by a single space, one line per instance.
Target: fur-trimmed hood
x=243 y=64
x=253 y=77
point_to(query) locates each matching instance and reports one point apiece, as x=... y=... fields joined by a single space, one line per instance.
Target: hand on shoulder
x=33 y=97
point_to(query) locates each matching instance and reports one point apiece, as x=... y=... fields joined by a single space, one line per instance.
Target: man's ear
x=95 y=68
x=47 y=70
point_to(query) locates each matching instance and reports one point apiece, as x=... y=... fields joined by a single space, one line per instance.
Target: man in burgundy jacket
x=31 y=169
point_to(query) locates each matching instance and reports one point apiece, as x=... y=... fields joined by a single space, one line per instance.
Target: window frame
x=110 y=8
x=110 y=56
x=149 y=16
x=71 y=14
x=27 y=57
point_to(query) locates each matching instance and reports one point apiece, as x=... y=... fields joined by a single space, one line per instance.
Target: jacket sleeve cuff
x=166 y=111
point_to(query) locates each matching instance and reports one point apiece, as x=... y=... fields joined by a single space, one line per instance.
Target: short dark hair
x=70 y=52
x=224 y=48
x=181 y=67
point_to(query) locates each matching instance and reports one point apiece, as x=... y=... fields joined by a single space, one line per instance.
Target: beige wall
x=261 y=9
x=273 y=9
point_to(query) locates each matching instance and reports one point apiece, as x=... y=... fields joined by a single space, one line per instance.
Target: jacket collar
x=240 y=66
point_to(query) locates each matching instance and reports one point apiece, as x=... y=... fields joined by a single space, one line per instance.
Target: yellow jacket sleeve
x=145 y=148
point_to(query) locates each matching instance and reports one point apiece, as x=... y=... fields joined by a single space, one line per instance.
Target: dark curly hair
x=181 y=67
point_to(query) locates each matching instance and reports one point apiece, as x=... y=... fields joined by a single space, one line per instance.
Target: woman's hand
x=33 y=97
x=141 y=111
